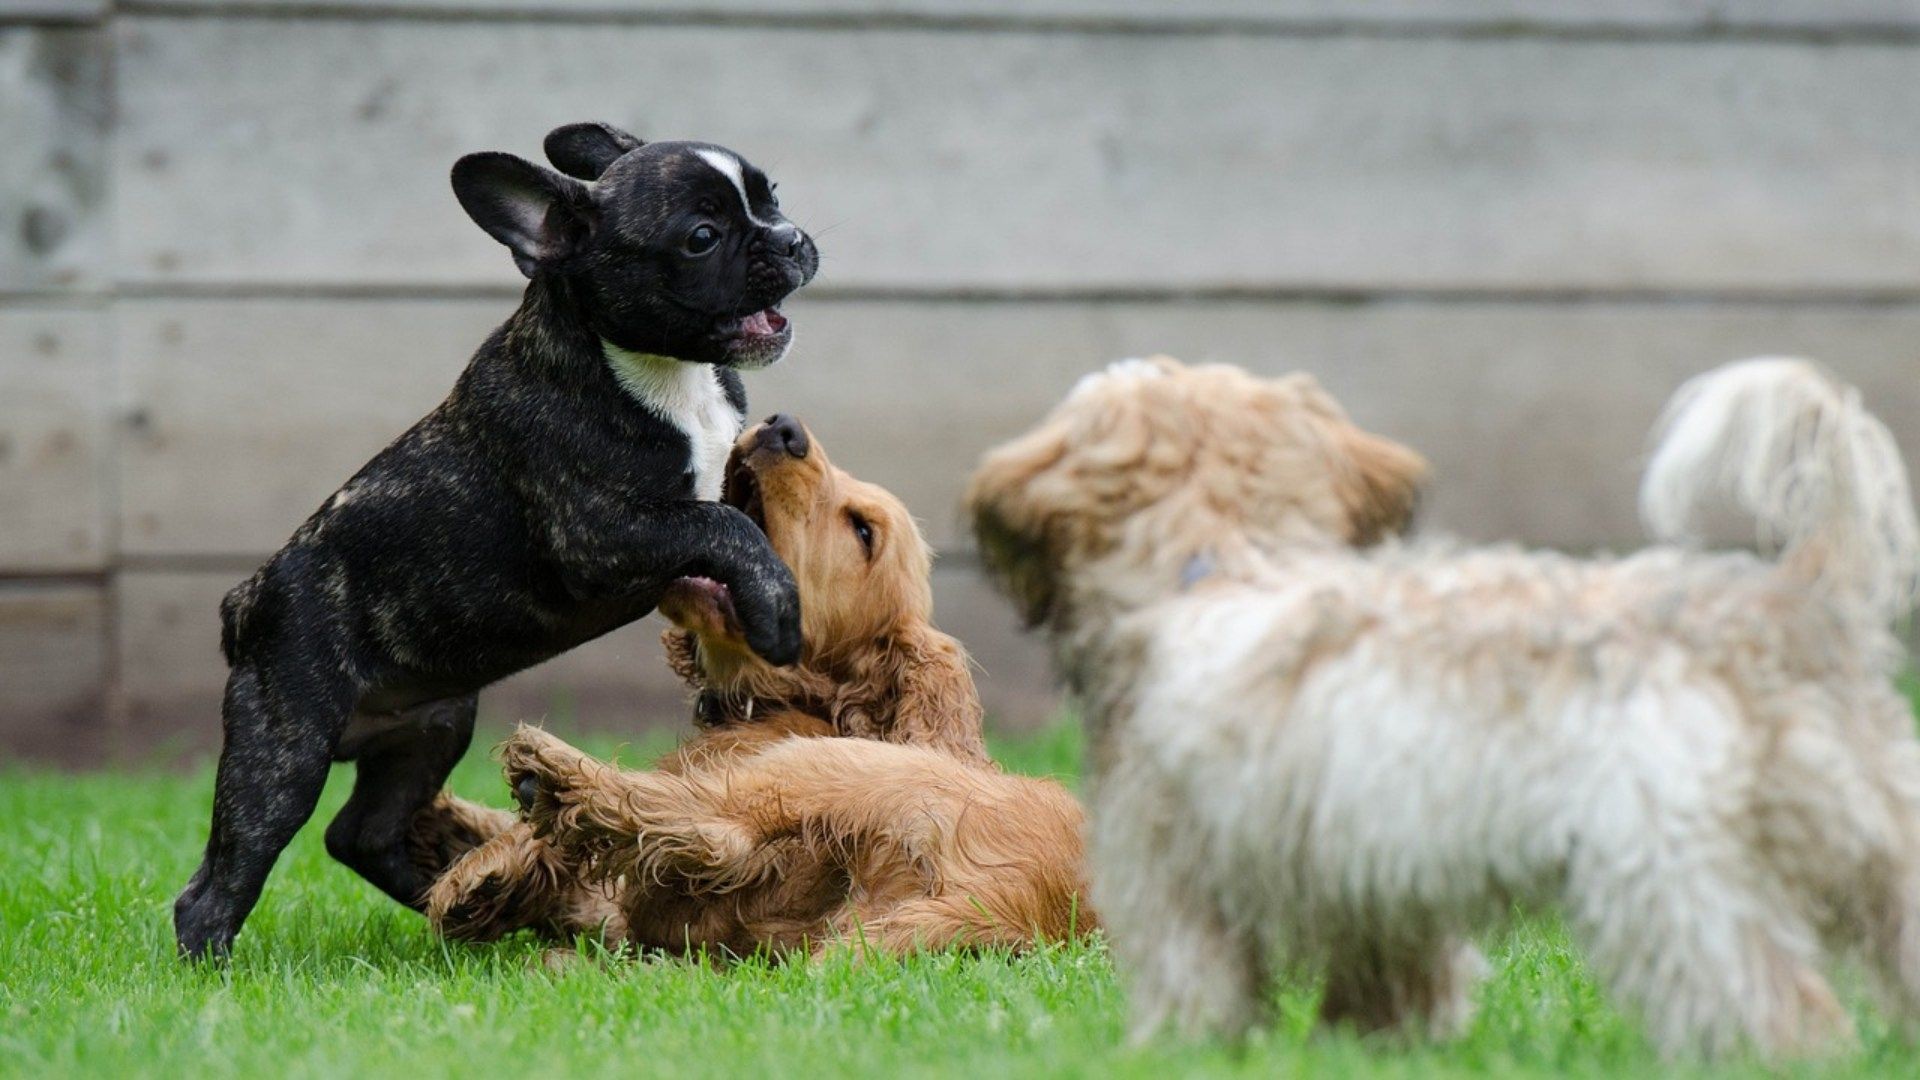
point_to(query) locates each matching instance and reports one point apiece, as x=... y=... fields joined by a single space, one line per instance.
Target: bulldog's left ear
x=583 y=151
x=543 y=218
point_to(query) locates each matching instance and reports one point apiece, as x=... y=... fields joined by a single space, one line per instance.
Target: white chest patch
x=690 y=397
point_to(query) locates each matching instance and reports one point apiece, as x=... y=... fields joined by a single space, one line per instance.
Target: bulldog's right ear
x=583 y=151
x=541 y=216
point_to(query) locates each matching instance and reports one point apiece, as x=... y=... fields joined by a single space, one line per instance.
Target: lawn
x=331 y=978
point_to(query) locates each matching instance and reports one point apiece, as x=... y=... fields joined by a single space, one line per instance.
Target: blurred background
x=231 y=268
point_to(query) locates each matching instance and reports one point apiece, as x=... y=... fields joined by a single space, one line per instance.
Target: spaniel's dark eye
x=702 y=240
x=862 y=530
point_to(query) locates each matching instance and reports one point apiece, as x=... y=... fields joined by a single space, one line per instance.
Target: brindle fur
x=538 y=507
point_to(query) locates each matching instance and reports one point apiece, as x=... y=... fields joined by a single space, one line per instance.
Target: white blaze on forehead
x=729 y=166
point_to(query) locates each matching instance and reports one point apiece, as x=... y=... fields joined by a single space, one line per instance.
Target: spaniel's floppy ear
x=938 y=703
x=1380 y=484
x=918 y=691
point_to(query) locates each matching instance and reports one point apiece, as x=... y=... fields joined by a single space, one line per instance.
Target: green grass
x=330 y=978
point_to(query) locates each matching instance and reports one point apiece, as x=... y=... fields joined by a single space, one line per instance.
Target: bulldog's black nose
x=783 y=432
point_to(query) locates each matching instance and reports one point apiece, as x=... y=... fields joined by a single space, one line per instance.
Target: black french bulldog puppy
x=564 y=484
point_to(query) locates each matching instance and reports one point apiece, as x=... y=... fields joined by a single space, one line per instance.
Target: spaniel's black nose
x=783 y=432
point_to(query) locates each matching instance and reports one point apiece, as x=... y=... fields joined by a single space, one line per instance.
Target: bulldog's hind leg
x=273 y=763
x=400 y=771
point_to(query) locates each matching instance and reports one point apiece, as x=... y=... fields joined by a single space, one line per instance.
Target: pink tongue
x=757 y=323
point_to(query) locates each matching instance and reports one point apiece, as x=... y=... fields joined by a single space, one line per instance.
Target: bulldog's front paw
x=771 y=614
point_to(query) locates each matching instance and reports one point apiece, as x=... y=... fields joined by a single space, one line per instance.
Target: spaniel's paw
x=538 y=765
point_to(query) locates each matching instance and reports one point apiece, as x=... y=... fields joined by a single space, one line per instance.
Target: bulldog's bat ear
x=541 y=216
x=583 y=151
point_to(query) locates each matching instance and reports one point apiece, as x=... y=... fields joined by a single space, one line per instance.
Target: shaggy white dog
x=1303 y=752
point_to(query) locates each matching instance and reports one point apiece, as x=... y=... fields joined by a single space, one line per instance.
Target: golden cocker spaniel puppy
x=764 y=832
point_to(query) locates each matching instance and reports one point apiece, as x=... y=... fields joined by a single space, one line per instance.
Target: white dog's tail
x=1789 y=448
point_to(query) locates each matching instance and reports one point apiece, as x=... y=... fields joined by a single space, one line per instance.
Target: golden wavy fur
x=763 y=832
x=1306 y=753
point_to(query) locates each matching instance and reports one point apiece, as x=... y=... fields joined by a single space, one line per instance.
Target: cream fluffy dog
x=1303 y=753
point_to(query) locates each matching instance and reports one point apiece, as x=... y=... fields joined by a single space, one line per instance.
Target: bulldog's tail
x=1817 y=479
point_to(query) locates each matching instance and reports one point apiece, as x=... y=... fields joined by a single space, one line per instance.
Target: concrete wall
x=1502 y=230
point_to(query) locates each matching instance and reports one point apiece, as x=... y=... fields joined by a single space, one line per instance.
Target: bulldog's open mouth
x=762 y=328
x=702 y=605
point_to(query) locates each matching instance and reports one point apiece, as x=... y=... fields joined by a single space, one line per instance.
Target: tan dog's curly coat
x=762 y=832
x=1302 y=753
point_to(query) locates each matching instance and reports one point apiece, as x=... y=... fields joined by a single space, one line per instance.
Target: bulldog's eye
x=862 y=531
x=702 y=240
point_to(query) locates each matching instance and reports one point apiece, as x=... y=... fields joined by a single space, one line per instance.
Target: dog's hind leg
x=1880 y=828
x=513 y=881
x=397 y=775
x=1890 y=943
x=711 y=827
x=1882 y=917
x=645 y=825
x=272 y=766
x=1713 y=962
x=927 y=924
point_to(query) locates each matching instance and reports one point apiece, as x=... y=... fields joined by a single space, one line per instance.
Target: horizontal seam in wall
x=241 y=564
x=42 y=299
x=10 y=578
x=52 y=20
x=1096 y=294
x=1860 y=33
x=208 y=562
